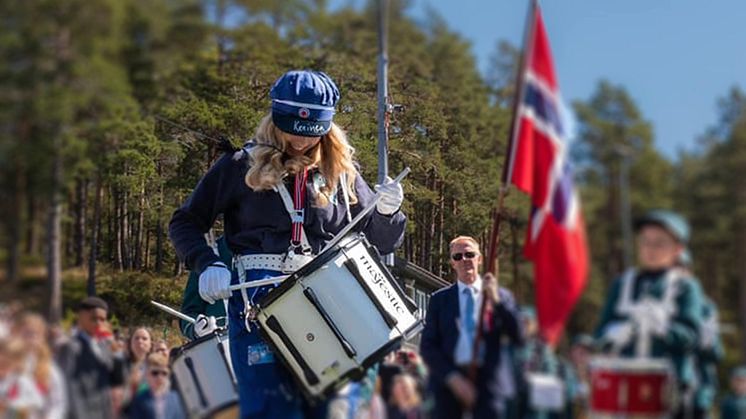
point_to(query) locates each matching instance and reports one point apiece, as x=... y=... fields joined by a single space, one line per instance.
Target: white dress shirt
x=464 y=346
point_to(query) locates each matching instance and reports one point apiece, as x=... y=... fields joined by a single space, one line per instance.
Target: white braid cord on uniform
x=648 y=315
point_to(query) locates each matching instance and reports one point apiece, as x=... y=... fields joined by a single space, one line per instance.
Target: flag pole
x=492 y=266
x=510 y=151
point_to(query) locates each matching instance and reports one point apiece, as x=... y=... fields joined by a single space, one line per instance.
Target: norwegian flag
x=538 y=166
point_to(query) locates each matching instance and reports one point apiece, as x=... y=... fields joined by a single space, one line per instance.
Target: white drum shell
x=350 y=308
x=204 y=376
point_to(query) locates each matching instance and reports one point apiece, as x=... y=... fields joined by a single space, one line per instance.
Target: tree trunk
x=81 y=195
x=140 y=236
x=146 y=251
x=14 y=224
x=126 y=231
x=108 y=239
x=119 y=258
x=441 y=228
x=32 y=234
x=54 y=270
x=93 y=254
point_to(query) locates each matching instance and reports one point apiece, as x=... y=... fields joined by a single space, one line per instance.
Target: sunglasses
x=466 y=255
x=156 y=373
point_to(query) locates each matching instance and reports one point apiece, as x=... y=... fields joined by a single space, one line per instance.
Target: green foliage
x=100 y=77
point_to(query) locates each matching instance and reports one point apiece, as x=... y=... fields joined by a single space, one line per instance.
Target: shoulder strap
x=624 y=302
x=296 y=216
x=346 y=195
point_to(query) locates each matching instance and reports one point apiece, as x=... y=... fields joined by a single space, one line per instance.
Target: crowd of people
x=90 y=371
x=94 y=372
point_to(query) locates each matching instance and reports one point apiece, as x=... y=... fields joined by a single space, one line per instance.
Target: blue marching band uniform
x=268 y=233
x=258 y=230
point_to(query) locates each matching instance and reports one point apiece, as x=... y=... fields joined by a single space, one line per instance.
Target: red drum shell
x=639 y=387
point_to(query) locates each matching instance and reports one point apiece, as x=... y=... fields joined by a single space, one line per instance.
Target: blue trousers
x=265 y=387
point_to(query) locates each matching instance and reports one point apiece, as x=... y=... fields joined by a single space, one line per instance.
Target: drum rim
x=631 y=365
x=198 y=341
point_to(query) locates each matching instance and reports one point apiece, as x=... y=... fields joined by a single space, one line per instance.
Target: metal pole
x=383 y=93
x=626 y=212
x=383 y=102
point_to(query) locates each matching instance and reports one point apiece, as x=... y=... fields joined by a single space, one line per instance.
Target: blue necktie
x=469 y=314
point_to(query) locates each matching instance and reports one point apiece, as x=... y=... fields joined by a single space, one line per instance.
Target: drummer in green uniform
x=733 y=405
x=655 y=310
x=709 y=354
x=208 y=316
x=537 y=361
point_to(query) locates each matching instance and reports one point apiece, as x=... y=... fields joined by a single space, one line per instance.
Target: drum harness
x=299 y=253
x=673 y=279
x=626 y=307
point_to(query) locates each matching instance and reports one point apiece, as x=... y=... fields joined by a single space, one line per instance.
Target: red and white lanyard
x=299 y=203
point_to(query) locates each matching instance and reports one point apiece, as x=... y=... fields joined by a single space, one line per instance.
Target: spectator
x=161 y=347
x=19 y=396
x=388 y=369
x=733 y=406
x=39 y=365
x=581 y=352
x=158 y=401
x=91 y=369
x=139 y=345
x=405 y=402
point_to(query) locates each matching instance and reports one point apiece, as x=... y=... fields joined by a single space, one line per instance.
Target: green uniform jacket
x=536 y=356
x=733 y=407
x=681 y=342
x=709 y=355
x=193 y=305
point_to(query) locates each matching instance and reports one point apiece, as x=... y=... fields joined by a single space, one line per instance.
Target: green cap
x=670 y=221
x=739 y=372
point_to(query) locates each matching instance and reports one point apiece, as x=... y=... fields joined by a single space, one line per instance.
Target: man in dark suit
x=91 y=369
x=450 y=329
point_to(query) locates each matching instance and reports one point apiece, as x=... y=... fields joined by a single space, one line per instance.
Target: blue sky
x=674 y=57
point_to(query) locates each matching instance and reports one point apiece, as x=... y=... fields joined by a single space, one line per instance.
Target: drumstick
x=362 y=214
x=173 y=312
x=259 y=283
x=337 y=238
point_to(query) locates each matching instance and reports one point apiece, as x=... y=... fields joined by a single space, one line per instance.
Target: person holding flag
x=451 y=326
x=655 y=310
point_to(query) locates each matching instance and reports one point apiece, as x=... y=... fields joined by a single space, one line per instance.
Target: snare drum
x=337 y=316
x=204 y=377
x=632 y=388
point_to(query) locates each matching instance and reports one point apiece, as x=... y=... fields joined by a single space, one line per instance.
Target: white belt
x=273 y=262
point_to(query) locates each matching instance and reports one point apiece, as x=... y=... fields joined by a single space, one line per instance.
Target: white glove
x=392 y=196
x=215 y=282
x=204 y=325
x=619 y=333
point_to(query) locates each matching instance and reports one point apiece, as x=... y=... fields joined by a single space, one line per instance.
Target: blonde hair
x=413 y=399
x=43 y=368
x=333 y=156
x=157 y=360
x=467 y=239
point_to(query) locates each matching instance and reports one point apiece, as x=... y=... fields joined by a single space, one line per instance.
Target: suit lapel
x=452 y=323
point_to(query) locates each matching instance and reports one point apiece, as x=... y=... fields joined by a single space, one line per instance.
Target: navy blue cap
x=303 y=102
x=670 y=221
